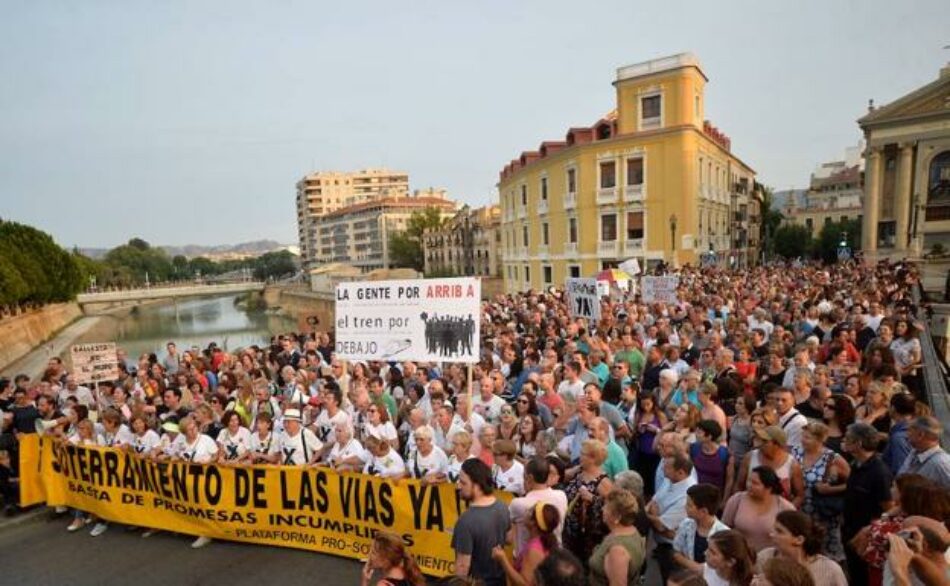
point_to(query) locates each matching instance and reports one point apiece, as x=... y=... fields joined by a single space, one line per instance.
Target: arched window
x=938 y=188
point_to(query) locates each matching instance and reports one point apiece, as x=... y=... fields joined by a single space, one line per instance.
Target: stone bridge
x=108 y=298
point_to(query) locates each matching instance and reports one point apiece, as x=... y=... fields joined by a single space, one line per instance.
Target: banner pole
x=469 y=394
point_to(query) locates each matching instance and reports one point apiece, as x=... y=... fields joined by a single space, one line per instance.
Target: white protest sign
x=427 y=320
x=630 y=266
x=583 y=298
x=659 y=289
x=93 y=363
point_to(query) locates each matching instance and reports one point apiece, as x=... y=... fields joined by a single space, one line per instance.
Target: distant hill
x=244 y=249
x=255 y=248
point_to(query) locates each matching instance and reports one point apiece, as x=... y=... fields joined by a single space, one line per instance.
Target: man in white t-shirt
x=296 y=445
x=572 y=383
x=487 y=403
x=330 y=416
x=465 y=417
x=72 y=389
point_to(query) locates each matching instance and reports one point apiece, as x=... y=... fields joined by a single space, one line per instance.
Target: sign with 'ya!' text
x=425 y=319
x=583 y=298
x=659 y=289
x=309 y=508
x=93 y=363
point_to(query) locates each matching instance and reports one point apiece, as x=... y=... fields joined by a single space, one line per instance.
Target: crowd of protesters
x=769 y=427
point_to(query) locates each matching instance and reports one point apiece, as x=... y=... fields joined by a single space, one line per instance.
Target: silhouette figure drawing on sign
x=449 y=335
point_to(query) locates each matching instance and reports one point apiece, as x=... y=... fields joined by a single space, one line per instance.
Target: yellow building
x=652 y=180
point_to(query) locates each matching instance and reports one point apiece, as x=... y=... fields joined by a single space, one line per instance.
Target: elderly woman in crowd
x=428 y=462
x=825 y=475
x=584 y=526
x=620 y=557
x=346 y=454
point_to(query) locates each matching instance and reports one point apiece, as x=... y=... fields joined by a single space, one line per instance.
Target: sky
x=190 y=122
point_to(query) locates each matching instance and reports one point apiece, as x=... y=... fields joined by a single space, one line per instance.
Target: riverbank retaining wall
x=312 y=311
x=22 y=333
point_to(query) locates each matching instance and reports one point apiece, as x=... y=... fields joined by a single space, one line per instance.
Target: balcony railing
x=608 y=249
x=606 y=195
x=543 y=206
x=570 y=200
x=633 y=246
x=570 y=248
x=522 y=213
x=542 y=250
x=633 y=193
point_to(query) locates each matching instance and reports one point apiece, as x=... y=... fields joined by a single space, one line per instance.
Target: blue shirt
x=898 y=446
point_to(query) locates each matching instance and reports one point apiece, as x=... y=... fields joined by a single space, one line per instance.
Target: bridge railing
x=174 y=290
x=934 y=377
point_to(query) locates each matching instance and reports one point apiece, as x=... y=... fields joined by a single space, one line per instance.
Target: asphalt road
x=43 y=553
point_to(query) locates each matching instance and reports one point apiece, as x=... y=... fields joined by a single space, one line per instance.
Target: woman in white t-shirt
x=461 y=451
x=380 y=426
x=261 y=443
x=383 y=460
x=115 y=434
x=234 y=440
x=428 y=463
x=144 y=440
x=507 y=472
x=347 y=454
x=196 y=447
x=85 y=436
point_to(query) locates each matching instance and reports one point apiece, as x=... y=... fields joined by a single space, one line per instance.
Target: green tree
x=405 y=248
x=204 y=266
x=831 y=236
x=274 y=265
x=792 y=241
x=136 y=259
x=771 y=219
x=35 y=270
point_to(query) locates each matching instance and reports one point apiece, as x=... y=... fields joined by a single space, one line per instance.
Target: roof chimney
x=871 y=105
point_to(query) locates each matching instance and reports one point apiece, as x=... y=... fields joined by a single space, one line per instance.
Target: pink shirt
x=741 y=514
x=522 y=506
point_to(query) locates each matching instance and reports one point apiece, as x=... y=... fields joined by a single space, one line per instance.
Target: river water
x=195 y=322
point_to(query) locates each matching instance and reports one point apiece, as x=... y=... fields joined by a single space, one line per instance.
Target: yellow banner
x=306 y=508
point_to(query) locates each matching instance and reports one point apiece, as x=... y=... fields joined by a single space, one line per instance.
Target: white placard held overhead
x=424 y=319
x=583 y=298
x=659 y=289
x=631 y=266
x=93 y=363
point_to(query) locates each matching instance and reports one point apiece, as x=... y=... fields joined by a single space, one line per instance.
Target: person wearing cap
x=927 y=458
x=772 y=452
x=296 y=445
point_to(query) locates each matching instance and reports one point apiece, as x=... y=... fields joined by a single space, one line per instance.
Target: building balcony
x=543 y=250
x=570 y=248
x=543 y=206
x=633 y=246
x=522 y=213
x=509 y=216
x=608 y=249
x=570 y=200
x=607 y=195
x=633 y=193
